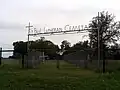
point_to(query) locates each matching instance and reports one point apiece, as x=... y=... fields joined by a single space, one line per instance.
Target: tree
x=114 y=52
x=46 y=46
x=65 y=45
x=108 y=32
x=42 y=45
x=77 y=47
x=42 y=38
x=20 y=48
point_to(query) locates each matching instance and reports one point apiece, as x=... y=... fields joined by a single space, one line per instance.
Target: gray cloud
x=12 y=26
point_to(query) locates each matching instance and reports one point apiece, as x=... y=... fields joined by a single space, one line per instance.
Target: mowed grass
x=48 y=77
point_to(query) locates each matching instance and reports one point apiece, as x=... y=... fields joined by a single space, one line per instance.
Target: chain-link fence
x=33 y=59
x=82 y=59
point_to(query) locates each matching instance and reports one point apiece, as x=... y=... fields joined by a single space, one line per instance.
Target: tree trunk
x=58 y=64
x=22 y=60
x=103 y=62
x=103 y=57
x=85 y=63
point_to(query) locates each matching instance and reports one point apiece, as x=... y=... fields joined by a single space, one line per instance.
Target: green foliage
x=48 y=47
x=47 y=77
x=108 y=28
x=65 y=45
x=20 y=48
x=77 y=47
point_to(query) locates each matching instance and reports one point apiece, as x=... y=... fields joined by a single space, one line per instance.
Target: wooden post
x=103 y=57
x=29 y=28
x=58 y=63
x=98 y=43
x=0 y=55
x=22 y=60
x=28 y=44
x=43 y=59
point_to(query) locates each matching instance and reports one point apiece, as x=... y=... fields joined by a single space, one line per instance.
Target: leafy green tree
x=20 y=49
x=77 y=47
x=114 y=52
x=108 y=31
x=42 y=45
x=65 y=45
x=45 y=46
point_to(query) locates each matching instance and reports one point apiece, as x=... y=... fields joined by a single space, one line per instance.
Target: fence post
x=22 y=60
x=86 y=60
x=0 y=55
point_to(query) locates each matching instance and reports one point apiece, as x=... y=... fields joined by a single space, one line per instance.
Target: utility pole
x=29 y=28
x=98 y=43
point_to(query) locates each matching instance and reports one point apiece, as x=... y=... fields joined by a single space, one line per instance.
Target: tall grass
x=48 y=77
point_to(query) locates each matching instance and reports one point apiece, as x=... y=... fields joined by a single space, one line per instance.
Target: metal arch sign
x=67 y=29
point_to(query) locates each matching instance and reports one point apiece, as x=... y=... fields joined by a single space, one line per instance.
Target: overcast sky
x=16 y=14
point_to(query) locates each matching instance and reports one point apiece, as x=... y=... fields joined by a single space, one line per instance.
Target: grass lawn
x=48 y=77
